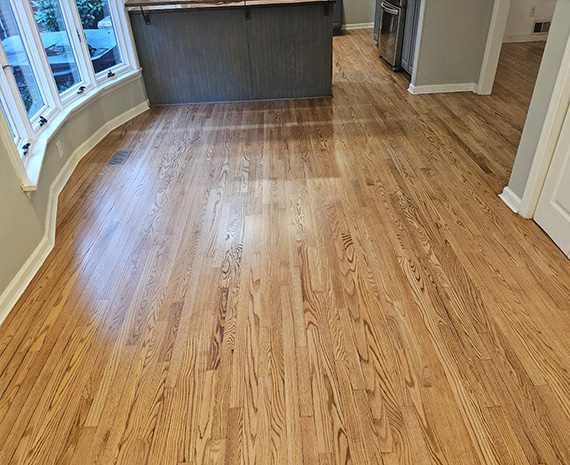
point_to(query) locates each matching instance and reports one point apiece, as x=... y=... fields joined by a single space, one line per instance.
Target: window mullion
x=11 y=99
x=39 y=60
x=14 y=153
x=123 y=33
x=19 y=120
x=79 y=43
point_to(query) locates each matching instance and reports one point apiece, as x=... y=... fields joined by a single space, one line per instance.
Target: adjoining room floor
x=317 y=282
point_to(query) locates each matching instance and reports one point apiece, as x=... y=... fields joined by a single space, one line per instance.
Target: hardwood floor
x=318 y=282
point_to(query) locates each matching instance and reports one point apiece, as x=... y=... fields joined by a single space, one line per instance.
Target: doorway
x=541 y=172
x=539 y=187
x=512 y=22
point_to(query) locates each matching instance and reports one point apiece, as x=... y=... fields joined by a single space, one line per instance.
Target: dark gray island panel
x=290 y=52
x=189 y=56
x=235 y=53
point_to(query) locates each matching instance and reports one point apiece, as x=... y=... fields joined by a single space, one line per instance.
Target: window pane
x=56 y=42
x=98 y=27
x=18 y=58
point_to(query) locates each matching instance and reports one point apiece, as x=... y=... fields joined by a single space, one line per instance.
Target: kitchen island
x=203 y=51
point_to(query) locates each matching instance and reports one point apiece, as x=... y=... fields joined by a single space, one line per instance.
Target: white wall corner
x=18 y=285
x=551 y=130
x=443 y=88
x=512 y=200
x=493 y=47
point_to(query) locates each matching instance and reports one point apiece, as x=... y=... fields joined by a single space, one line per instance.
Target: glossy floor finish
x=308 y=282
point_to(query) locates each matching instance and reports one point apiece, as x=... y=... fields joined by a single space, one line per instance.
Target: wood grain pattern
x=301 y=282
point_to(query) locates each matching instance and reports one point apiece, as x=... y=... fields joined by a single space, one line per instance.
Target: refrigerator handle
x=389 y=10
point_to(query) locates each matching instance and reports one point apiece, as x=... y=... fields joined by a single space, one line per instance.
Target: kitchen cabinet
x=410 y=35
x=377 y=14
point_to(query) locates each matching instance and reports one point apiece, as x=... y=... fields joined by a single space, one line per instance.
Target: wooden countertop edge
x=170 y=5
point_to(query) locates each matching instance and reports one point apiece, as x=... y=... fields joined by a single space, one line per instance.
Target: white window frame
x=123 y=36
x=58 y=100
x=79 y=49
x=28 y=130
x=32 y=41
x=19 y=122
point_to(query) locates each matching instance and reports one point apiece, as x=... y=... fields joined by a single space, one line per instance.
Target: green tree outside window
x=90 y=11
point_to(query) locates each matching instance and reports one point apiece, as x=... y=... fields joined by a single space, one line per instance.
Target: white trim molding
x=526 y=38
x=493 y=47
x=555 y=117
x=61 y=180
x=35 y=161
x=23 y=278
x=512 y=200
x=349 y=27
x=443 y=88
x=29 y=131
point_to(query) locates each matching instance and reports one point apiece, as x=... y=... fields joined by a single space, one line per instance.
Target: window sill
x=35 y=158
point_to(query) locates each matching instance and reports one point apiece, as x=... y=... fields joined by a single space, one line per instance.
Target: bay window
x=54 y=55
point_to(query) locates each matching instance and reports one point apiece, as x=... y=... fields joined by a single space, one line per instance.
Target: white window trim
x=14 y=155
x=9 y=95
x=20 y=122
x=80 y=52
x=38 y=150
x=14 y=124
x=124 y=36
x=39 y=61
x=125 y=42
x=59 y=107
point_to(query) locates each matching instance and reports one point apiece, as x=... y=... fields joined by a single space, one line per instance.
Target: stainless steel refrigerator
x=391 y=21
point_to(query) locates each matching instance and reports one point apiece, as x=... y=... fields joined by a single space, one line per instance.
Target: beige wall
x=358 y=11
x=452 y=41
x=23 y=220
x=520 y=24
x=21 y=228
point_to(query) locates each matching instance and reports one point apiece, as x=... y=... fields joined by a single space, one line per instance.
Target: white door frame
x=557 y=111
x=493 y=47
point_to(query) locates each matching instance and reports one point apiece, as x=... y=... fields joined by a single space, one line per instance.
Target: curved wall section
x=27 y=224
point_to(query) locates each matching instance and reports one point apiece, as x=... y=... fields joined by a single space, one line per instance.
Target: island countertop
x=199 y=4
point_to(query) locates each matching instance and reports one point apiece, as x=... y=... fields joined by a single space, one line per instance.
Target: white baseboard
x=528 y=38
x=348 y=27
x=512 y=200
x=23 y=278
x=443 y=88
